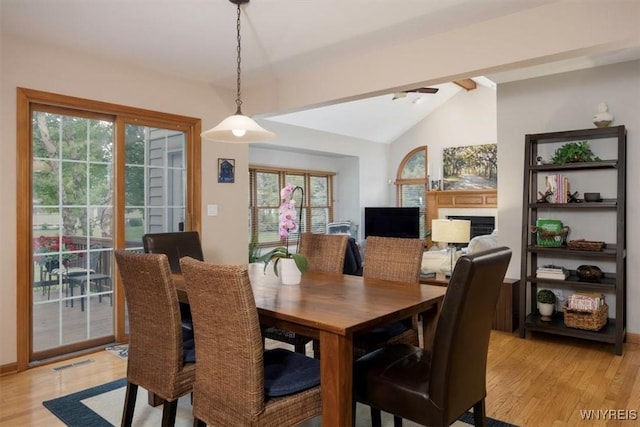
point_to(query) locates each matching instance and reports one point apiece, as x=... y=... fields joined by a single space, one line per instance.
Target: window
x=412 y=183
x=265 y=185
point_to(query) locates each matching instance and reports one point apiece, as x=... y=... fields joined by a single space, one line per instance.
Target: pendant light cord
x=238 y=100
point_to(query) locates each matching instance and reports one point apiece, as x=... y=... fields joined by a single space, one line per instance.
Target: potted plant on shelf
x=289 y=266
x=546 y=304
x=573 y=152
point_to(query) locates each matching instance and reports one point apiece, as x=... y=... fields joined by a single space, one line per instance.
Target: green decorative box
x=550 y=233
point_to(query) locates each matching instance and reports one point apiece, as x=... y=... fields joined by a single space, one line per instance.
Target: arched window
x=412 y=182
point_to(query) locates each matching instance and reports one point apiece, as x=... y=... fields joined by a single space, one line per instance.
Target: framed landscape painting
x=472 y=167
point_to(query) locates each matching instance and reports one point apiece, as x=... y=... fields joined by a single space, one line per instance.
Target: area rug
x=121 y=351
x=101 y=406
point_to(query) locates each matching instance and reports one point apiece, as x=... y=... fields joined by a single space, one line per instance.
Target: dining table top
x=342 y=304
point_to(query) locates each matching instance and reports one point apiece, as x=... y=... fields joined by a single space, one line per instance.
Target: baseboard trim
x=9 y=368
x=633 y=338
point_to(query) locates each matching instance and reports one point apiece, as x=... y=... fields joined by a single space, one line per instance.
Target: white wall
x=566 y=102
x=35 y=66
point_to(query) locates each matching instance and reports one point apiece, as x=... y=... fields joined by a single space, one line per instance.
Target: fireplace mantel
x=459 y=199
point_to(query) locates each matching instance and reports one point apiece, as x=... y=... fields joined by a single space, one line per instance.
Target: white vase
x=288 y=272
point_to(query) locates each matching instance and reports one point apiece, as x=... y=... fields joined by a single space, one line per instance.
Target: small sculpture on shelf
x=573 y=197
x=603 y=118
x=544 y=197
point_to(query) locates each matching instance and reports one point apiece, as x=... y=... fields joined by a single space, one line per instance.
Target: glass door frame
x=26 y=100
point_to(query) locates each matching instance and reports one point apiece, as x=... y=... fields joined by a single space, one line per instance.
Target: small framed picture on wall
x=226 y=170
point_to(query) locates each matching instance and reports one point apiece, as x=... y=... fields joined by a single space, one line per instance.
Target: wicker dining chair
x=396 y=259
x=325 y=253
x=238 y=383
x=159 y=361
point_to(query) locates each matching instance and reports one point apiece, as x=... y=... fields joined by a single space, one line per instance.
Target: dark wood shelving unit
x=613 y=282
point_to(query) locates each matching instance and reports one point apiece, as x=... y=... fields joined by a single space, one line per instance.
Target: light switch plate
x=212 y=210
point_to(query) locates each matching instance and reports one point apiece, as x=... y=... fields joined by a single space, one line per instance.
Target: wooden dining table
x=335 y=308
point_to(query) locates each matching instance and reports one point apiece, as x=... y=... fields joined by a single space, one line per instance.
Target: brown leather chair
x=159 y=361
x=174 y=245
x=435 y=387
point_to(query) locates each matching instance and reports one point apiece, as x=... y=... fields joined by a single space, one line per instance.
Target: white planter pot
x=258 y=274
x=288 y=272
x=546 y=309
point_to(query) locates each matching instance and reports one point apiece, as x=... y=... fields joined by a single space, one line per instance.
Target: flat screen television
x=392 y=222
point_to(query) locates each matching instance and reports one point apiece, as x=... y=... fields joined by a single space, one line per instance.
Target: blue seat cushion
x=286 y=372
x=188 y=351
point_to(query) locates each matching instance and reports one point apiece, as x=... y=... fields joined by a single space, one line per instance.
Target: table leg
x=336 y=370
x=429 y=323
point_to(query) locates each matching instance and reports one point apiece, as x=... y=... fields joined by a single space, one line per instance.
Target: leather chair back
x=461 y=342
x=174 y=245
x=352 y=259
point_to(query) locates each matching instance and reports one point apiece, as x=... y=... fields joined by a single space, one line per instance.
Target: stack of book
x=585 y=301
x=552 y=272
x=558 y=185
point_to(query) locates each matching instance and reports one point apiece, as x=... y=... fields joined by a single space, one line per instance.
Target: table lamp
x=450 y=231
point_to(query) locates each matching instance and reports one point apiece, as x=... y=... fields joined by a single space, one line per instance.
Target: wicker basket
x=550 y=238
x=585 y=319
x=585 y=245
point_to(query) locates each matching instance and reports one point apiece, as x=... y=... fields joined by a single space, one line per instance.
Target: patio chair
x=89 y=275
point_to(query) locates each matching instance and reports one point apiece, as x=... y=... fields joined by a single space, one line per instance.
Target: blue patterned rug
x=101 y=406
x=121 y=351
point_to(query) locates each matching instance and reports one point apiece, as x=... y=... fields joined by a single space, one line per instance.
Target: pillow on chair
x=286 y=372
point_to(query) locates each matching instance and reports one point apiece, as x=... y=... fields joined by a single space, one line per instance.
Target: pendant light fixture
x=238 y=127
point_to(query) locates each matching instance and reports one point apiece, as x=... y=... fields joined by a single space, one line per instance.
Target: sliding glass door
x=97 y=181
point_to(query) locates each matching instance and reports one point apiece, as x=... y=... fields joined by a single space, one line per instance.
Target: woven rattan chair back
x=229 y=388
x=155 y=360
x=392 y=258
x=324 y=252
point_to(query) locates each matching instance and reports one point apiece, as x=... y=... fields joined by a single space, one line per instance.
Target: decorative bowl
x=592 y=197
x=589 y=273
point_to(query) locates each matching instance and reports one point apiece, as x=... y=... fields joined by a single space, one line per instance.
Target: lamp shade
x=238 y=128
x=450 y=230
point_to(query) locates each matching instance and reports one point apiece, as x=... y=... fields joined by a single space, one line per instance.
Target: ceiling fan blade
x=403 y=94
x=425 y=90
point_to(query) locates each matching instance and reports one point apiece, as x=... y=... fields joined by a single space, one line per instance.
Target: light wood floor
x=541 y=381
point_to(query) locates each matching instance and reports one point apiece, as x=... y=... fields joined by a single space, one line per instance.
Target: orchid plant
x=288 y=225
